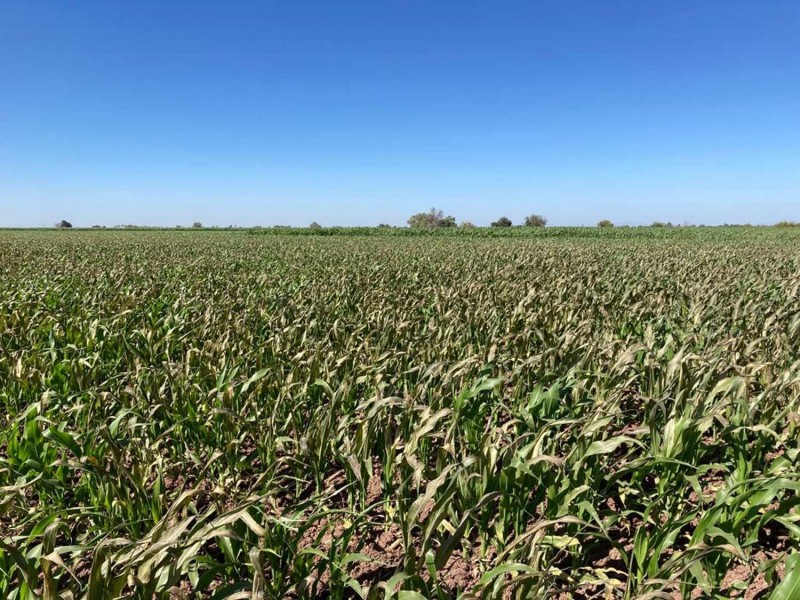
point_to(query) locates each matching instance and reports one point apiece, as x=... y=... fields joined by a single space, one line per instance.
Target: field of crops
x=605 y=414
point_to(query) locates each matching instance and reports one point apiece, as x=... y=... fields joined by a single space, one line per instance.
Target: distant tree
x=605 y=223
x=432 y=219
x=787 y=224
x=197 y=224
x=660 y=224
x=63 y=225
x=384 y=226
x=502 y=222
x=467 y=225
x=535 y=221
x=315 y=225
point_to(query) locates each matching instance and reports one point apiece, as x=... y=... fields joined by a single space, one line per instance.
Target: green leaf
x=607 y=446
x=789 y=587
x=62 y=438
x=256 y=377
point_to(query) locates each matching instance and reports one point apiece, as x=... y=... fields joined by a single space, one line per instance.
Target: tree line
x=435 y=219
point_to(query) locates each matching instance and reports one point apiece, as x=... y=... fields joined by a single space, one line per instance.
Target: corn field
x=228 y=415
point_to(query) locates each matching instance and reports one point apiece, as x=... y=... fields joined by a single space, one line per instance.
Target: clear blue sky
x=355 y=113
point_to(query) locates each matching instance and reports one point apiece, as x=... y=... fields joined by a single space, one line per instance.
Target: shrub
x=535 y=221
x=605 y=223
x=502 y=222
x=430 y=220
